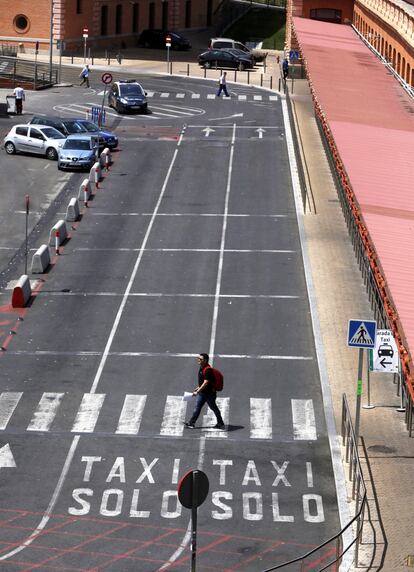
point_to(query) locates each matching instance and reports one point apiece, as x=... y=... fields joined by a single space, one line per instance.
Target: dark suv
x=156 y=39
x=74 y=125
x=127 y=95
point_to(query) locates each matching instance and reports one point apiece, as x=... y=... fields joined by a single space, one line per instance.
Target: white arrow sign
x=385 y=353
x=6 y=457
x=208 y=130
x=260 y=131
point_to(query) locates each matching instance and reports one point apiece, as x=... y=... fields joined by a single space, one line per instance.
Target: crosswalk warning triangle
x=362 y=336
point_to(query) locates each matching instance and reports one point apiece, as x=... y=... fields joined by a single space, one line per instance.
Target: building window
x=165 y=15
x=118 y=19
x=78 y=6
x=135 y=17
x=151 y=15
x=21 y=23
x=326 y=15
x=188 y=14
x=104 y=20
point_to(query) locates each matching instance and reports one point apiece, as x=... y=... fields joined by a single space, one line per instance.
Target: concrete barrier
x=85 y=191
x=107 y=158
x=21 y=292
x=41 y=260
x=95 y=174
x=72 y=212
x=58 y=233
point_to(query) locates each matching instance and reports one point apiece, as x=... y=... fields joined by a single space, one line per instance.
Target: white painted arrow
x=260 y=131
x=208 y=130
x=6 y=457
x=228 y=117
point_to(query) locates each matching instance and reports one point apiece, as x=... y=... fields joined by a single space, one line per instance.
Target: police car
x=128 y=96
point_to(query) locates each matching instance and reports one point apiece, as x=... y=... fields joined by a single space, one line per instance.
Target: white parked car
x=38 y=139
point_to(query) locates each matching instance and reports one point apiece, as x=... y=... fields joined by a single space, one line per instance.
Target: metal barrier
x=317 y=559
x=97 y=115
x=27 y=72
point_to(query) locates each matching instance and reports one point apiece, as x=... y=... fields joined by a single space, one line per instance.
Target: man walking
x=285 y=69
x=205 y=392
x=84 y=74
x=222 y=85
x=20 y=97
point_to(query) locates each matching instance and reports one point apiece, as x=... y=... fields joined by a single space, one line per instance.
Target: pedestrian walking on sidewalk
x=205 y=393
x=222 y=85
x=84 y=74
x=20 y=97
x=285 y=69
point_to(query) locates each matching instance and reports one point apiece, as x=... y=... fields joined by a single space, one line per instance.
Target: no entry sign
x=106 y=78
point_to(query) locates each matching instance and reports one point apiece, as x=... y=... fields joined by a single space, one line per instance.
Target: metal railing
x=27 y=72
x=333 y=549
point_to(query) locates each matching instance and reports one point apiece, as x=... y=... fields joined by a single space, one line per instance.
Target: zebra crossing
x=128 y=421
x=239 y=97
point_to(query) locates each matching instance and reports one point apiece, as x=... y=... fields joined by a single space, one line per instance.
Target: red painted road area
x=97 y=544
x=372 y=122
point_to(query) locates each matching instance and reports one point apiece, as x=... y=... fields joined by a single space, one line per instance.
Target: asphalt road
x=190 y=245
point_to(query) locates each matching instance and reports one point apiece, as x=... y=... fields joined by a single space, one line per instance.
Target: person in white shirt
x=222 y=85
x=20 y=97
x=84 y=75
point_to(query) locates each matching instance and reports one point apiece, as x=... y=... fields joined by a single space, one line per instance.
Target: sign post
x=106 y=80
x=192 y=492
x=168 y=45
x=85 y=37
x=361 y=334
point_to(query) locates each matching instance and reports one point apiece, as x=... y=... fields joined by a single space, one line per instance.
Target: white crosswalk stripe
x=174 y=411
x=165 y=94
x=195 y=96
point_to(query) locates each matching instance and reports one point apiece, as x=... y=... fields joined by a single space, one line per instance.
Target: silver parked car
x=80 y=151
x=38 y=139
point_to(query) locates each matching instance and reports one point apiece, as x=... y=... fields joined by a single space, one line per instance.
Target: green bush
x=264 y=24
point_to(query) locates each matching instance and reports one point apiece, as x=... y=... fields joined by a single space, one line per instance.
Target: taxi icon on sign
x=385 y=350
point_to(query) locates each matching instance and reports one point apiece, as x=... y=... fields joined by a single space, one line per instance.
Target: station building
x=110 y=23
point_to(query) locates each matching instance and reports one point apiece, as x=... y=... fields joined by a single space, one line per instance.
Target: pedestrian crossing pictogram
x=361 y=333
x=50 y=413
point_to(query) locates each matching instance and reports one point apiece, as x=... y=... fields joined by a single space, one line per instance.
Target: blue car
x=109 y=139
x=79 y=151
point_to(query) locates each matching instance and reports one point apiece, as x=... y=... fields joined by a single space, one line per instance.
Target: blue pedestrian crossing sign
x=361 y=333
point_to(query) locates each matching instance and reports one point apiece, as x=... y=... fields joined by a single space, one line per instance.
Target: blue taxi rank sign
x=361 y=333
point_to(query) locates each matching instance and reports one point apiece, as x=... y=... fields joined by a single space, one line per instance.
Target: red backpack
x=218 y=378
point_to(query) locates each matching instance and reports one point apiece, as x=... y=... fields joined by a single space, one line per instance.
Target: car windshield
x=89 y=126
x=131 y=89
x=80 y=144
x=74 y=127
x=52 y=133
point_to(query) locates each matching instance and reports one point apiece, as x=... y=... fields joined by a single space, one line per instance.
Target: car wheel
x=51 y=154
x=207 y=65
x=10 y=148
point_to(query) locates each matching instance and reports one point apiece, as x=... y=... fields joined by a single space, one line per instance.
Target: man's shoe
x=219 y=426
x=189 y=425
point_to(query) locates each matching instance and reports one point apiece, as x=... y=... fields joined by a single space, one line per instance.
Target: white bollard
x=58 y=234
x=41 y=260
x=107 y=158
x=21 y=292
x=85 y=191
x=95 y=174
x=72 y=212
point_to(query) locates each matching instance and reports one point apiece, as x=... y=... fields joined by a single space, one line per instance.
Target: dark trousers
x=19 y=106
x=85 y=79
x=221 y=88
x=210 y=399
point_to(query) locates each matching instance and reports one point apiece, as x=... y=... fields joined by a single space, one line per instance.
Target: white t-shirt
x=19 y=92
x=222 y=80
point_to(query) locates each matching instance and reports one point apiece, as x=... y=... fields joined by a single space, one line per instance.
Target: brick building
x=111 y=23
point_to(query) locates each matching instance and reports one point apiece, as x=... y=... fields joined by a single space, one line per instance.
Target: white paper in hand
x=188 y=396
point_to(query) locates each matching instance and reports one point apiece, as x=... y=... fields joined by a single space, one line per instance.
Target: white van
x=218 y=43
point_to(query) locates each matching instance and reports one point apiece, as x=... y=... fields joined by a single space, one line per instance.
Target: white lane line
x=211 y=96
x=172 y=111
x=273 y=98
x=45 y=412
x=150 y=94
x=242 y=97
x=209 y=419
x=260 y=418
x=53 y=500
x=88 y=413
x=164 y=94
x=179 y=295
x=8 y=403
x=195 y=96
x=174 y=416
x=257 y=98
x=303 y=418
x=180 y=95
x=131 y=415
x=218 y=215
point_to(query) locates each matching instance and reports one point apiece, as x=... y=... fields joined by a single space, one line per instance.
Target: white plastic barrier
x=85 y=191
x=106 y=157
x=72 y=212
x=58 y=234
x=95 y=174
x=41 y=260
x=21 y=292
